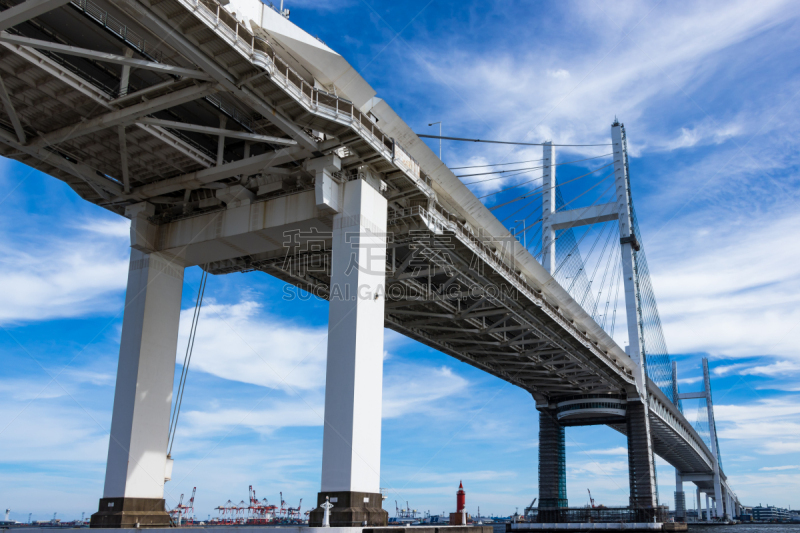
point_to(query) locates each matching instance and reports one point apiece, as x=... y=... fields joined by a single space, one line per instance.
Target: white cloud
x=120 y=228
x=705 y=133
x=778 y=368
x=733 y=291
x=618 y=450
x=760 y=410
x=560 y=74
x=774 y=468
x=598 y=468
x=629 y=60
x=414 y=388
x=240 y=342
x=768 y=427
x=47 y=276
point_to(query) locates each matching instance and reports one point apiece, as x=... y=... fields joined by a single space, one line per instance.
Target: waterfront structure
x=235 y=141
x=770 y=513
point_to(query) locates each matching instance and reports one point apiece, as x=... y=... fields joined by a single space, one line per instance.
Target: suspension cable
x=616 y=298
x=531 y=181
x=539 y=190
x=502 y=142
x=611 y=281
x=527 y=168
x=585 y=259
x=588 y=291
x=187 y=359
x=498 y=164
x=603 y=281
x=584 y=235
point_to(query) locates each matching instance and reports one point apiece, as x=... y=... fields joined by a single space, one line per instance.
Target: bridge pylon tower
x=631 y=409
x=725 y=502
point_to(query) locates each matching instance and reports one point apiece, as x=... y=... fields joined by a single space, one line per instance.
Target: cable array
x=654 y=345
x=587 y=266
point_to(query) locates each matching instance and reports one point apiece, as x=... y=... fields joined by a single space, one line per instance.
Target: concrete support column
x=353 y=389
x=729 y=512
x=641 y=467
x=548 y=207
x=552 y=467
x=699 y=506
x=680 y=498
x=137 y=450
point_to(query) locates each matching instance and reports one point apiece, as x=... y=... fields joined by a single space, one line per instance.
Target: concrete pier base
x=350 y=509
x=131 y=512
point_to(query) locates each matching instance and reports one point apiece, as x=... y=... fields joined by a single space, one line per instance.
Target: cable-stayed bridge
x=234 y=140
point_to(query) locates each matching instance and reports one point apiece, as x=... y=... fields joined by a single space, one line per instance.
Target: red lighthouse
x=461 y=498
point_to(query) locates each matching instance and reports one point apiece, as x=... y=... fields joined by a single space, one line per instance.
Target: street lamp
x=440 y=136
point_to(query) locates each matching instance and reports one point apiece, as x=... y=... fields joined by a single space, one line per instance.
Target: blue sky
x=709 y=97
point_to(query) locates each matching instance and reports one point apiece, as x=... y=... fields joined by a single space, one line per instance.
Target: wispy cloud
x=241 y=342
x=61 y=276
x=769 y=426
x=776 y=468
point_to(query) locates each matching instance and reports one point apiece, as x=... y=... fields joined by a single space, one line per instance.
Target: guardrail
x=314 y=98
x=133 y=39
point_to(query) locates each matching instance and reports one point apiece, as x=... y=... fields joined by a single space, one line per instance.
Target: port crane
x=529 y=509
x=591 y=500
x=294 y=512
x=283 y=506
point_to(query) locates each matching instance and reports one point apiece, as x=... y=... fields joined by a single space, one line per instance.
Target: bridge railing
x=261 y=50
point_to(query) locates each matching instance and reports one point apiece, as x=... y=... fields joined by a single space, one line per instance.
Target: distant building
x=770 y=513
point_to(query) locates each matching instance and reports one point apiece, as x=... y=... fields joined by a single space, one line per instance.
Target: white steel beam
x=125 y=77
x=12 y=114
x=125 y=115
x=583 y=216
x=697 y=477
x=27 y=10
x=147 y=90
x=216 y=131
x=692 y=395
x=104 y=57
x=87 y=89
x=52 y=68
x=177 y=143
x=195 y=180
x=173 y=38
x=123 y=155
x=103 y=186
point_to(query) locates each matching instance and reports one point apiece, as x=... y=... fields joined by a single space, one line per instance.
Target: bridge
x=234 y=140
